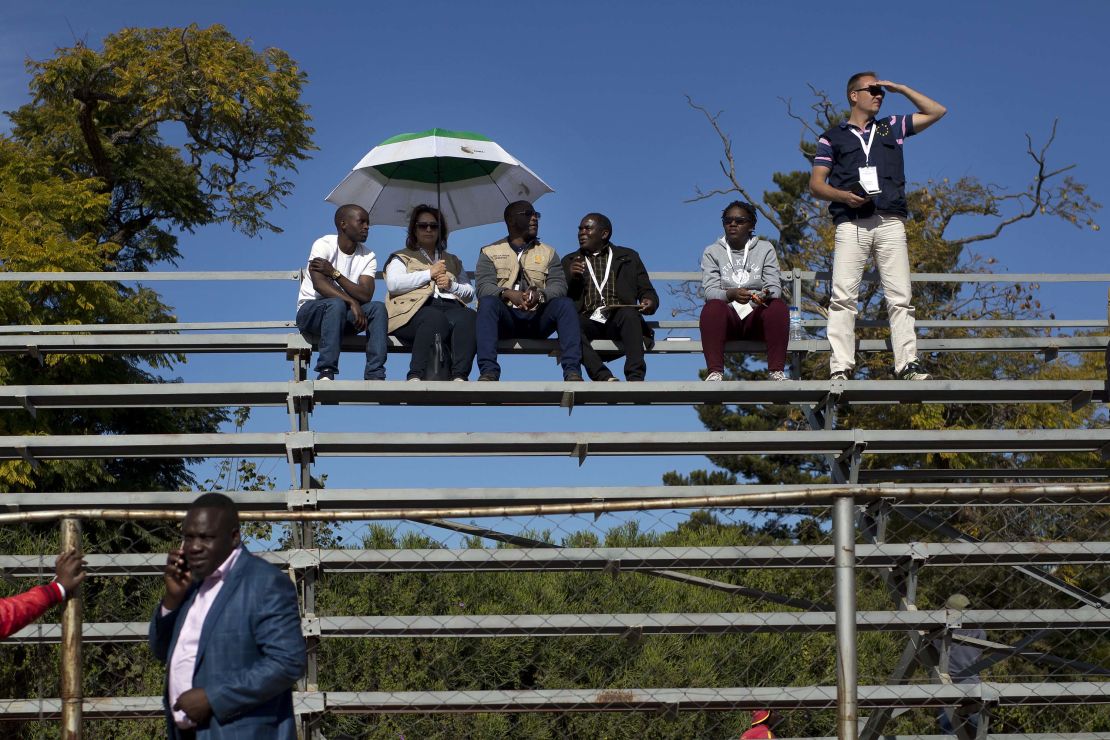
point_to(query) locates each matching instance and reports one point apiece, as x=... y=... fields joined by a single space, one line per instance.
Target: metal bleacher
x=864 y=500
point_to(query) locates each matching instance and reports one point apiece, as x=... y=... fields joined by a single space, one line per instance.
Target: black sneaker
x=913 y=371
x=489 y=378
x=841 y=375
x=326 y=375
x=572 y=377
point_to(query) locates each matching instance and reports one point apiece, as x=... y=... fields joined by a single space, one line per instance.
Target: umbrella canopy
x=469 y=176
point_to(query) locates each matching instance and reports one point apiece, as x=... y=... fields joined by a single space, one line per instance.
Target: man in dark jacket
x=229 y=631
x=612 y=292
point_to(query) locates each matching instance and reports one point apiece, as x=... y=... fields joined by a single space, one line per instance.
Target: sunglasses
x=528 y=214
x=735 y=220
x=875 y=90
x=427 y=225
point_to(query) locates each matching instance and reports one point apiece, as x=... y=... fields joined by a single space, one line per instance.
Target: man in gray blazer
x=229 y=631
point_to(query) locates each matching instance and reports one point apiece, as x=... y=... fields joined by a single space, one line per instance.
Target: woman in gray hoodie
x=743 y=295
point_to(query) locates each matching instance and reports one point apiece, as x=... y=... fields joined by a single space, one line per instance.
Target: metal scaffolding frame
x=859 y=511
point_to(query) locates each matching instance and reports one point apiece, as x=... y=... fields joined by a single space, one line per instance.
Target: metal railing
x=921 y=568
x=585 y=592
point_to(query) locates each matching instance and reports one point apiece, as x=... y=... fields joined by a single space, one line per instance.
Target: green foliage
x=608 y=664
x=118 y=151
x=47 y=224
x=104 y=115
x=89 y=182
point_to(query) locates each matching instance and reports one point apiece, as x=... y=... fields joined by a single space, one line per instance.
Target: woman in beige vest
x=428 y=292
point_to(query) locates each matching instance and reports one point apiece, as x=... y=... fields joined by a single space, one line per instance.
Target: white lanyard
x=866 y=144
x=519 y=269
x=743 y=261
x=604 y=279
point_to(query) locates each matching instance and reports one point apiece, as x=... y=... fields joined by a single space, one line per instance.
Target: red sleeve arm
x=16 y=612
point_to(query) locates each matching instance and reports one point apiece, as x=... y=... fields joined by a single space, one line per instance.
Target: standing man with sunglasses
x=859 y=168
x=522 y=292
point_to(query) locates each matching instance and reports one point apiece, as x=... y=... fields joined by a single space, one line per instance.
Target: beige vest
x=403 y=306
x=534 y=262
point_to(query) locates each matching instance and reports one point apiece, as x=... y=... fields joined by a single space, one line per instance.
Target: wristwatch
x=336 y=274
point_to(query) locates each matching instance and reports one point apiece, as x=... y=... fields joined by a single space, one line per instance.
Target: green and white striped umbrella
x=469 y=176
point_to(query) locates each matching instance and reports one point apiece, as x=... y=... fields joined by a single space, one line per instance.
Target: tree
x=120 y=150
x=90 y=181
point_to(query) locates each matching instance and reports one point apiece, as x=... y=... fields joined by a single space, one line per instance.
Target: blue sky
x=591 y=97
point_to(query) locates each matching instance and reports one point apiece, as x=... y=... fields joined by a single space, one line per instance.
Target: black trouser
x=623 y=326
x=455 y=325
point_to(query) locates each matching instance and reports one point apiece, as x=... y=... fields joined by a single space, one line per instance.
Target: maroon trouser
x=719 y=323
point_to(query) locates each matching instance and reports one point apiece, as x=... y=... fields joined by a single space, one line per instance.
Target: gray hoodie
x=717 y=272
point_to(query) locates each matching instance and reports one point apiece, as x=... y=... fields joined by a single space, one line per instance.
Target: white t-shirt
x=360 y=262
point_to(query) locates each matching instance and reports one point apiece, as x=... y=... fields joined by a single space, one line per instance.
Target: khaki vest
x=534 y=262
x=402 y=307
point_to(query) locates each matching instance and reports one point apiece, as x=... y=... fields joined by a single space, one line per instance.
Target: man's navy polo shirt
x=841 y=151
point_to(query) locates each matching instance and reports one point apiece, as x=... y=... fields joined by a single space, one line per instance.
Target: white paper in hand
x=741 y=309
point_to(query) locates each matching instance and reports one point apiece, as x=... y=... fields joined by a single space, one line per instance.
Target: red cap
x=760 y=716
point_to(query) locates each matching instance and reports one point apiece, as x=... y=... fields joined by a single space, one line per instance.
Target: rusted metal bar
x=72 y=694
x=800 y=496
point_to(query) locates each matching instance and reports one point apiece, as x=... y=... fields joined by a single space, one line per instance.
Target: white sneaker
x=714 y=377
x=778 y=376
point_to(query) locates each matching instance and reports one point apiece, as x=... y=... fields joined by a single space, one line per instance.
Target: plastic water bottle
x=797 y=331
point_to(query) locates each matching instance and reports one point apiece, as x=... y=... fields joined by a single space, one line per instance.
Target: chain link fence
x=669 y=623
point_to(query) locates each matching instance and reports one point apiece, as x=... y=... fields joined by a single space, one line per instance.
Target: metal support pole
x=71 y=644
x=844 y=539
x=1108 y=346
x=304 y=537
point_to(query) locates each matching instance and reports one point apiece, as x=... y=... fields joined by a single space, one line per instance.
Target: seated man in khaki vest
x=522 y=292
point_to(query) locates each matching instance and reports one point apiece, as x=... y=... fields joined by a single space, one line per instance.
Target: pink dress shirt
x=184 y=659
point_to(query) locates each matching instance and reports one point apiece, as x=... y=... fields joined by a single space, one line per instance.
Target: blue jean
x=326 y=320
x=498 y=321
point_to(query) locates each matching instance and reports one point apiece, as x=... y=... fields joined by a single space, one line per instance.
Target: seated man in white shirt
x=336 y=296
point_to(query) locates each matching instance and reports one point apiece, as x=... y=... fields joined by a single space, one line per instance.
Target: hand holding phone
x=177 y=578
x=856 y=188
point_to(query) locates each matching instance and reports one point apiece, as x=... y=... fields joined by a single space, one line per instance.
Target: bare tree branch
x=1043 y=196
x=728 y=168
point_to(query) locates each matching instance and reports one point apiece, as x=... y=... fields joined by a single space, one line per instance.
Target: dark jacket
x=251 y=653
x=886 y=154
x=631 y=281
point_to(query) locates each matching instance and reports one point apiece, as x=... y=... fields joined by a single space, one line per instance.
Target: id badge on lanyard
x=599 y=313
x=868 y=175
x=519 y=268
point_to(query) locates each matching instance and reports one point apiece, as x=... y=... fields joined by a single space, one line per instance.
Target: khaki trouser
x=885 y=236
